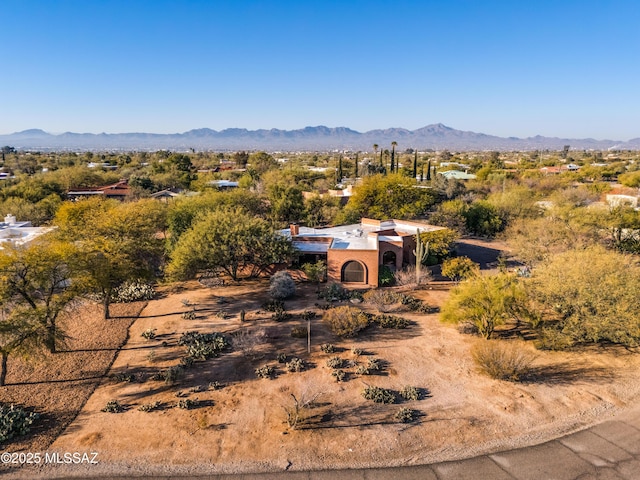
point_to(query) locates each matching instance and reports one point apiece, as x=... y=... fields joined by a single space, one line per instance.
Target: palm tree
x=375 y=149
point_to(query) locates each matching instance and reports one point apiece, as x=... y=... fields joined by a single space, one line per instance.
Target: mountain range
x=320 y=138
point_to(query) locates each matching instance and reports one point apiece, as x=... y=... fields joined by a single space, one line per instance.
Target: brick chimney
x=295 y=229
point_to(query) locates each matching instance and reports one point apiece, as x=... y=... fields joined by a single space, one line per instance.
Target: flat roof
x=358 y=236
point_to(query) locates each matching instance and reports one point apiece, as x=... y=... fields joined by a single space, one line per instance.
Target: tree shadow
x=566 y=373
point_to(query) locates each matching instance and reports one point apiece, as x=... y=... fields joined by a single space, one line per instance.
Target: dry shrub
x=504 y=361
x=382 y=300
x=248 y=341
x=407 y=276
x=345 y=321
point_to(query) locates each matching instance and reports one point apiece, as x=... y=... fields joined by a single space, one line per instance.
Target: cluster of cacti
x=410 y=393
x=133 y=292
x=405 y=415
x=295 y=365
x=150 y=407
x=379 y=395
x=266 y=371
x=14 y=421
x=113 y=406
x=149 y=334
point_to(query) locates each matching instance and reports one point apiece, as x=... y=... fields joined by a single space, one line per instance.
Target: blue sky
x=511 y=68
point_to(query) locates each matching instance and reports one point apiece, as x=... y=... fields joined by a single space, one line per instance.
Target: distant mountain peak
x=436 y=136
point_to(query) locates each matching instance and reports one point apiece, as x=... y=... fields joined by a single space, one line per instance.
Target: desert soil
x=241 y=427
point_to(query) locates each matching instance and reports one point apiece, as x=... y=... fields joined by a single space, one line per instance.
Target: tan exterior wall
x=391 y=247
x=337 y=258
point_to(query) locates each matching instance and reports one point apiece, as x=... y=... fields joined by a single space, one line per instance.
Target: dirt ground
x=241 y=427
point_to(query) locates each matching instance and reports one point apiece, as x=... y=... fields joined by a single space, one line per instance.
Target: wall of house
x=391 y=247
x=337 y=258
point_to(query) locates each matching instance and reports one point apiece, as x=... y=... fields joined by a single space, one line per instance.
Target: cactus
x=421 y=253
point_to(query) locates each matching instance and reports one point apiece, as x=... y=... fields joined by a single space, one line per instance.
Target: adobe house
x=354 y=253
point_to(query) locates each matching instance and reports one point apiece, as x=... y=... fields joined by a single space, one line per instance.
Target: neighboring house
x=555 y=170
x=354 y=253
x=19 y=233
x=457 y=175
x=623 y=196
x=344 y=195
x=223 y=184
x=119 y=191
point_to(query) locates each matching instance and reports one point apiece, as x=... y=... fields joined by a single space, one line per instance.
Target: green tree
x=460 y=268
x=441 y=244
x=587 y=296
x=36 y=285
x=116 y=241
x=286 y=203
x=383 y=197
x=315 y=272
x=230 y=240
x=485 y=301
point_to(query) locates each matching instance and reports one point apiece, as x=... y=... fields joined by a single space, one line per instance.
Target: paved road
x=608 y=451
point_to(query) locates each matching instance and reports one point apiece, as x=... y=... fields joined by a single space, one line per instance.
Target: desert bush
x=295 y=365
x=407 y=276
x=345 y=321
x=503 y=361
x=169 y=375
x=357 y=351
x=266 y=371
x=410 y=393
x=191 y=315
x=299 y=332
x=405 y=415
x=223 y=314
x=334 y=292
x=123 y=377
x=149 y=334
x=553 y=339
x=133 y=292
x=459 y=268
x=247 y=341
x=335 y=362
x=187 y=403
x=339 y=375
x=281 y=316
x=391 y=321
x=415 y=304
x=282 y=286
x=202 y=346
x=273 y=306
x=385 y=276
x=187 y=362
x=297 y=411
x=382 y=300
x=328 y=348
x=113 y=406
x=15 y=421
x=150 y=407
x=281 y=357
x=379 y=395
x=373 y=365
x=308 y=315
x=215 y=385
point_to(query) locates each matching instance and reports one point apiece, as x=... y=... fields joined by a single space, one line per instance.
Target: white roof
x=354 y=236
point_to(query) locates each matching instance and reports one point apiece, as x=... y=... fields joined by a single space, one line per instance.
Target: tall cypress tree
x=429 y=171
x=339 y=174
x=356 y=172
x=415 y=165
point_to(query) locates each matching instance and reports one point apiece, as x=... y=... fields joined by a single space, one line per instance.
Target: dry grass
x=504 y=360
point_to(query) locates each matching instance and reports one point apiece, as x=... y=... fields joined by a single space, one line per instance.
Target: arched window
x=352 y=272
x=389 y=258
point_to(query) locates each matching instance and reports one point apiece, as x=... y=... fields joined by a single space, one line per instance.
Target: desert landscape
x=233 y=421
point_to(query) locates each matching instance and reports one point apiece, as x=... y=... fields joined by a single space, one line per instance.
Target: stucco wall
x=337 y=258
